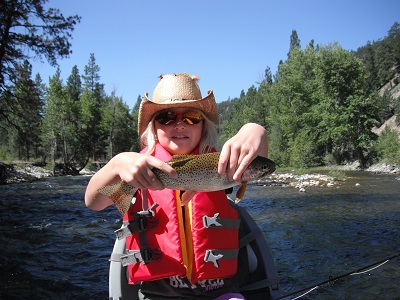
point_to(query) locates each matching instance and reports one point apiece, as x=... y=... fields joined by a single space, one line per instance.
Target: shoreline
x=12 y=174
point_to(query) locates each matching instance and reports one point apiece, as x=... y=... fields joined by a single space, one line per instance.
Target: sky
x=227 y=43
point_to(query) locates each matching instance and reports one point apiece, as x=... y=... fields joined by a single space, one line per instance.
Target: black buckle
x=149 y=254
x=143 y=220
x=142 y=223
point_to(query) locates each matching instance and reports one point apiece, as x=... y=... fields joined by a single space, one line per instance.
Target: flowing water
x=52 y=247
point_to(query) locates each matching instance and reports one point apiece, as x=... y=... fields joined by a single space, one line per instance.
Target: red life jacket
x=198 y=240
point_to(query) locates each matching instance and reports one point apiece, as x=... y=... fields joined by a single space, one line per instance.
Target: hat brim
x=148 y=108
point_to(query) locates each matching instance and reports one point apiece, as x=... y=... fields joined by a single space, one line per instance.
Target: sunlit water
x=52 y=247
x=327 y=232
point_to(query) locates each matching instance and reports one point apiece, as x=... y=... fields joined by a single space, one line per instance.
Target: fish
x=197 y=173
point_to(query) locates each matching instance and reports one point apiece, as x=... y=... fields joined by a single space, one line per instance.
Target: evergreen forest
x=322 y=103
x=319 y=107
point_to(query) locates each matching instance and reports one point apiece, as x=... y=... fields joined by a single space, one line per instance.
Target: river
x=52 y=247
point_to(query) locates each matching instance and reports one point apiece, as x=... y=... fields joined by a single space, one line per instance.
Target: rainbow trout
x=197 y=173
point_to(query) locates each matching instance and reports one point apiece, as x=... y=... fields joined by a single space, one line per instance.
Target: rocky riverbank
x=301 y=182
x=11 y=173
x=27 y=173
x=384 y=168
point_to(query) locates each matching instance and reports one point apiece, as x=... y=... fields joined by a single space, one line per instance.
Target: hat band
x=176 y=99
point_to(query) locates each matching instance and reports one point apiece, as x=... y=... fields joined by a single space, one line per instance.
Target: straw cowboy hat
x=176 y=90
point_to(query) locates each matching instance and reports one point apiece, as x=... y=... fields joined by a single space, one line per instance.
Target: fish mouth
x=268 y=171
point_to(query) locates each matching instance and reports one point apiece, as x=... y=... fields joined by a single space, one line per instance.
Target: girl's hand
x=240 y=150
x=134 y=168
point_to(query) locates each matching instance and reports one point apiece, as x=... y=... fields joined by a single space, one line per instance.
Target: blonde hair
x=209 y=136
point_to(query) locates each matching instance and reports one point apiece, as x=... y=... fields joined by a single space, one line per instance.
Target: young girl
x=178 y=257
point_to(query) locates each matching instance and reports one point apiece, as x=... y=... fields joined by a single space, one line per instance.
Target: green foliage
x=319 y=109
x=50 y=166
x=5 y=155
x=329 y=159
x=91 y=76
x=278 y=145
x=28 y=107
x=388 y=146
x=298 y=171
x=294 y=42
x=90 y=166
x=337 y=174
x=118 y=123
x=78 y=124
x=382 y=58
x=54 y=121
x=234 y=121
x=303 y=150
x=28 y=29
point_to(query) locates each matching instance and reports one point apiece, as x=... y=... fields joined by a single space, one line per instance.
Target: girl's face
x=178 y=137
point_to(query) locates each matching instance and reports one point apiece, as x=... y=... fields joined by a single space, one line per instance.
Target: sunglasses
x=170 y=117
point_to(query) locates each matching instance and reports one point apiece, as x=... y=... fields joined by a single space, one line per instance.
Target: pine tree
x=28 y=105
x=27 y=25
x=92 y=104
x=54 y=119
x=294 y=42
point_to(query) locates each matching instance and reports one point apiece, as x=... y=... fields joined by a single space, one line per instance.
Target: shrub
x=388 y=146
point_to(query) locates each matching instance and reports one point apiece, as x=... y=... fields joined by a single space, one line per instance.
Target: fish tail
x=121 y=194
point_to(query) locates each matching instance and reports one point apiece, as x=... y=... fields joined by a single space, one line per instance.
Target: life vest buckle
x=144 y=220
x=217 y=222
x=146 y=213
x=214 y=255
x=213 y=258
x=149 y=255
x=211 y=221
x=144 y=256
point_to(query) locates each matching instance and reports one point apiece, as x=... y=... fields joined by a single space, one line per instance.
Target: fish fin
x=178 y=160
x=240 y=192
x=182 y=156
x=121 y=194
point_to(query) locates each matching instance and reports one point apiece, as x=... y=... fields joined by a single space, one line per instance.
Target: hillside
x=393 y=122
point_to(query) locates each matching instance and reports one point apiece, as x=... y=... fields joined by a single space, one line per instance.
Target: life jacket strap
x=143 y=256
x=143 y=221
x=215 y=222
x=248 y=238
x=215 y=255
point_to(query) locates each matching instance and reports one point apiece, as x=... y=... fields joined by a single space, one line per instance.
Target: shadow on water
x=53 y=247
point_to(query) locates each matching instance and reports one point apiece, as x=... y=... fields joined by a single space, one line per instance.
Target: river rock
x=86 y=172
x=298 y=181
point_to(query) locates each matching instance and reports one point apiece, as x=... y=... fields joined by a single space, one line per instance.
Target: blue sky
x=228 y=44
